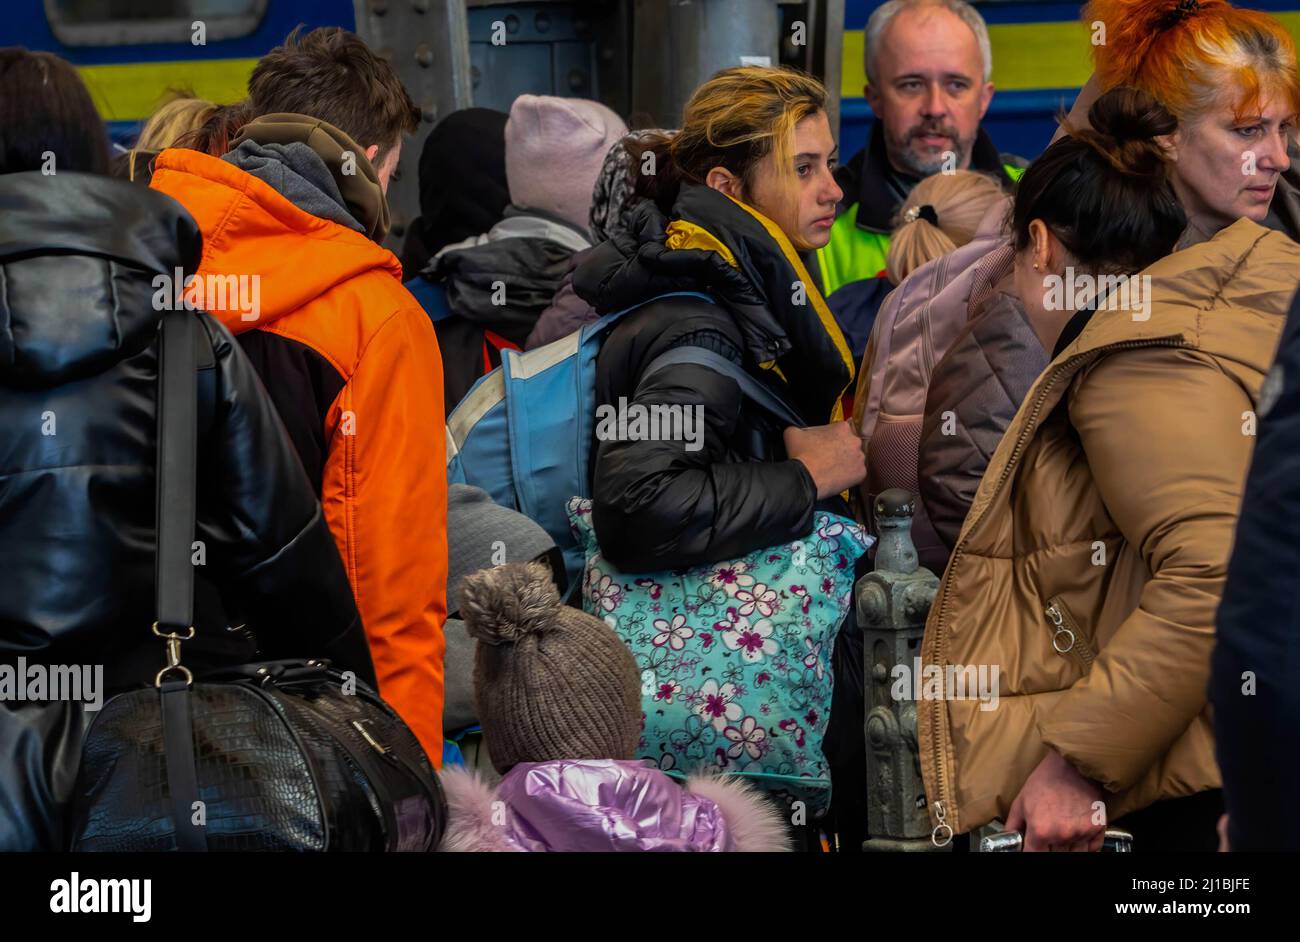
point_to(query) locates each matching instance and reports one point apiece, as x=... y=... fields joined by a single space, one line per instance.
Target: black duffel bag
x=280 y=758
x=284 y=755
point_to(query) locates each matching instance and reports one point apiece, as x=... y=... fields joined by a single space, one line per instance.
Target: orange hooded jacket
x=352 y=363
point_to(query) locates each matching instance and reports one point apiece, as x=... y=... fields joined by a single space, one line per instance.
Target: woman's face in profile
x=801 y=198
x=1227 y=165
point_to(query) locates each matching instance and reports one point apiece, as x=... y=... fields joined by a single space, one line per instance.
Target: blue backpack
x=523 y=433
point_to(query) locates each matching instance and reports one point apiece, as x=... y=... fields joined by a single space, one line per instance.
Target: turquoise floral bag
x=735 y=658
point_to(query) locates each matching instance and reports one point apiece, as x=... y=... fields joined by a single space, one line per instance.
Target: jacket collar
x=115 y=238
x=1211 y=295
x=72 y=213
x=523 y=224
x=1218 y=297
x=882 y=189
x=723 y=247
x=298 y=174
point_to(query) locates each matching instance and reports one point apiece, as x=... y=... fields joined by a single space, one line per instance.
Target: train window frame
x=168 y=30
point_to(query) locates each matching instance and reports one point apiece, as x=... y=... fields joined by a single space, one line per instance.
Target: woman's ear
x=1041 y=247
x=1169 y=144
x=724 y=181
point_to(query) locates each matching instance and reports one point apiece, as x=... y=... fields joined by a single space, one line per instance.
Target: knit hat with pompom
x=550 y=681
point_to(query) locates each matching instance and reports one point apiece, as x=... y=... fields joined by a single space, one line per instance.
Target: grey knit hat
x=550 y=681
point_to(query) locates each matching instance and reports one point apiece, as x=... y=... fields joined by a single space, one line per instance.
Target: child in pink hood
x=558 y=696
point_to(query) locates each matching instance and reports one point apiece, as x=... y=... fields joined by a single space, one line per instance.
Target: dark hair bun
x=1105 y=191
x=1124 y=124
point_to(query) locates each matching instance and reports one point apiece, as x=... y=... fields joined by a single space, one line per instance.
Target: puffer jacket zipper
x=946 y=814
x=927 y=342
x=1067 y=638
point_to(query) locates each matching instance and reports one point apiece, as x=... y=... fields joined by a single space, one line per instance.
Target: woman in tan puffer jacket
x=1092 y=561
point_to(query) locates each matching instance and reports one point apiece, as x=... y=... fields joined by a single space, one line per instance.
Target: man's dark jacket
x=1255 y=668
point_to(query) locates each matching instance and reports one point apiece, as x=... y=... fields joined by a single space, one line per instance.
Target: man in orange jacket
x=292 y=218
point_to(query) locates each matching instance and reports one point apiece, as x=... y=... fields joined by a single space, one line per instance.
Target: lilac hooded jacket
x=606 y=805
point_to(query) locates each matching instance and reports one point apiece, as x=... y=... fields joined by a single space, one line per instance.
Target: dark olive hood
x=352 y=172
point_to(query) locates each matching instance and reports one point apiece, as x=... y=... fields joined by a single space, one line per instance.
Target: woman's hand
x=1057 y=809
x=832 y=454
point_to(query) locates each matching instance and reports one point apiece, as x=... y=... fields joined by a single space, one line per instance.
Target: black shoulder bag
x=282 y=755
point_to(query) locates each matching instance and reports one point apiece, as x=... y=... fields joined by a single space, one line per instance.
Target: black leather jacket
x=80 y=306
x=657 y=505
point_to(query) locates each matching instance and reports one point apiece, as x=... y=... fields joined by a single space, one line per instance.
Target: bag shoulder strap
x=598 y=327
x=177 y=471
x=178 y=403
x=750 y=388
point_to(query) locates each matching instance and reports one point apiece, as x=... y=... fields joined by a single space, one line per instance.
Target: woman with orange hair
x=1229 y=76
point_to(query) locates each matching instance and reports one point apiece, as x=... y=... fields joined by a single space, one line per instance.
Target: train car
x=640 y=57
x=130 y=53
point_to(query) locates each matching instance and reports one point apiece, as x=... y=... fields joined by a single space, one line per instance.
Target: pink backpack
x=916 y=324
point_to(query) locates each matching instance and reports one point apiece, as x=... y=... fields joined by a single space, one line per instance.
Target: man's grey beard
x=902 y=156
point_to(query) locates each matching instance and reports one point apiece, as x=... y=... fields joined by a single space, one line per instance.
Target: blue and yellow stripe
x=130 y=91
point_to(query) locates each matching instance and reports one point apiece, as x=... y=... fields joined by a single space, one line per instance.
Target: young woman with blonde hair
x=731 y=199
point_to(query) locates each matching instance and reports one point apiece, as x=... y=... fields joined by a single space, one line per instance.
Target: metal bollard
x=892 y=604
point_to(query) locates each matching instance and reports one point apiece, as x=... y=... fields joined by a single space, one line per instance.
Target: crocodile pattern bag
x=285 y=760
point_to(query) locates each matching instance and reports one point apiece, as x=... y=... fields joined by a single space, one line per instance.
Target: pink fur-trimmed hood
x=606 y=805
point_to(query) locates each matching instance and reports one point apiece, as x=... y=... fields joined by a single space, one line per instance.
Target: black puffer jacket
x=981 y=380
x=656 y=504
x=525 y=259
x=80 y=305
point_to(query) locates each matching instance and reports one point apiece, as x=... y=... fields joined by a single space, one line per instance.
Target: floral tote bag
x=735 y=658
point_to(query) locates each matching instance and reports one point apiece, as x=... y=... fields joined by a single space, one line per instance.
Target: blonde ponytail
x=940 y=214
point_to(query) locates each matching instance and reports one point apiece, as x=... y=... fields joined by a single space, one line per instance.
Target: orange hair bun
x=1186 y=52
